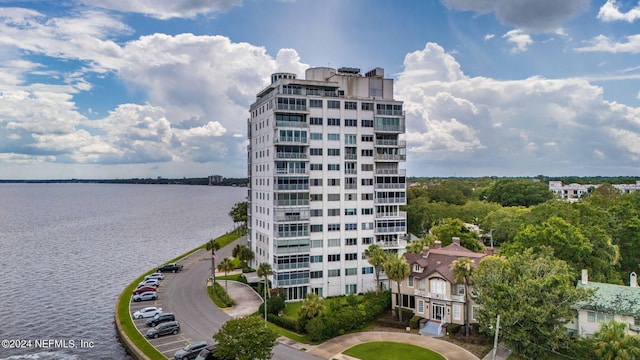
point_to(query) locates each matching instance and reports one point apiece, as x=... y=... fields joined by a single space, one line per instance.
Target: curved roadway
x=186 y=296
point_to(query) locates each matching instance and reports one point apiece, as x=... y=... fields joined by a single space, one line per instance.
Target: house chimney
x=633 y=280
x=585 y=277
x=455 y=240
x=436 y=244
x=425 y=251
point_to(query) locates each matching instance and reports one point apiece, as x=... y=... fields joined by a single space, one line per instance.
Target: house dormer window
x=416 y=268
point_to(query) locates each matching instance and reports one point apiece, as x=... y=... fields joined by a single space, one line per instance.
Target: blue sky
x=148 y=88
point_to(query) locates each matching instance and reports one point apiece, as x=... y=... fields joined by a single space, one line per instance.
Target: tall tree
x=244 y=339
x=311 y=307
x=518 y=192
x=376 y=257
x=214 y=246
x=533 y=293
x=397 y=270
x=225 y=266
x=264 y=271
x=450 y=228
x=462 y=270
x=612 y=343
x=240 y=214
x=244 y=254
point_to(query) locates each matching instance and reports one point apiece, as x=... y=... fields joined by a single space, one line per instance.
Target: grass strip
x=386 y=350
x=286 y=333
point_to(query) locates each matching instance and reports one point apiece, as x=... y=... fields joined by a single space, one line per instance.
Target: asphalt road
x=185 y=295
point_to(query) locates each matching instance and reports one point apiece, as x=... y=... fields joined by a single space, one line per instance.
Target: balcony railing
x=293 y=124
x=391 y=230
x=350 y=156
x=444 y=297
x=289 y=155
x=396 y=244
x=392 y=143
x=291 y=107
x=291 y=139
x=391 y=185
x=294 y=171
x=393 y=200
x=291 y=250
x=290 y=187
x=397 y=214
x=282 y=283
x=300 y=265
x=389 y=112
x=391 y=171
x=293 y=202
x=390 y=157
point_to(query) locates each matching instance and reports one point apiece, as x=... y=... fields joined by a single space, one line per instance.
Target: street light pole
x=495 y=339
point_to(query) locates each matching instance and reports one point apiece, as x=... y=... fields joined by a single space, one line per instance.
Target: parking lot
x=167 y=344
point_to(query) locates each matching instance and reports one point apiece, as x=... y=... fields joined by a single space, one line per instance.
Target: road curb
x=130 y=348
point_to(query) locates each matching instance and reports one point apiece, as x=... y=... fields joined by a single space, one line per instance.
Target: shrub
x=242 y=279
x=414 y=323
x=283 y=321
x=222 y=295
x=406 y=315
x=453 y=329
x=274 y=306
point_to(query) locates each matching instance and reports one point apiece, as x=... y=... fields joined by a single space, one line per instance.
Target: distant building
x=609 y=302
x=215 y=179
x=573 y=192
x=325 y=180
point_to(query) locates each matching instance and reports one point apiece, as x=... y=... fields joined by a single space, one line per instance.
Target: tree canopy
x=245 y=338
x=533 y=293
x=518 y=192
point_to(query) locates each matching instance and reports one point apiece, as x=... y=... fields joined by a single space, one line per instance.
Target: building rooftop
x=612 y=298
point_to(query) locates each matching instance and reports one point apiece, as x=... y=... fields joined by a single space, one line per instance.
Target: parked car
x=160 y=318
x=207 y=353
x=166 y=328
x=147 y=312
x=157 y=275
x=190 y=351
x=150 y=282
x=143 y=289
x=145 y=296
x=173 y=267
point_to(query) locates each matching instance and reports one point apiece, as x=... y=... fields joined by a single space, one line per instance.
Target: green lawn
x=385 y=350
x=291 y=309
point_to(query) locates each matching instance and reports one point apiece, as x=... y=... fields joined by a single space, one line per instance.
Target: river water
x=68 y=250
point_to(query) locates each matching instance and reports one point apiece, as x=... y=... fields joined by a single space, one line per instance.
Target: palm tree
x=311 y=307
x=226 y=265
x=612 y=343
x=263 y=271
x=376 y=257
x=397 y=270
x=213 y=246
x=462 y=270
x=244 y=254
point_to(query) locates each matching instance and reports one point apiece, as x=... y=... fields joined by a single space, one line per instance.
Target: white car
x=158 y=276
x=150 y=282
x=149 y=295
x=147 y=312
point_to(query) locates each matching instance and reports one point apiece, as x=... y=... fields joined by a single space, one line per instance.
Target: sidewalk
x=502 y=353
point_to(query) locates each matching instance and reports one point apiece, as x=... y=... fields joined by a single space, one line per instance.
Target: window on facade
x=333 y=197
x=367 y=196
x=367 y=240
x=333 y=137
x=421 y=306
x=333 y=122
x=351 y=226
x=316 y=243
x=416 y=268
x=333 y=227
x=457 y=312
x=366 y=211
x=350 y=139
x=349 y=197
x=315 y=151
x=367 y=123
x=333 y=182
x=438 y=286
x=334 y=272
x=334 y=242
x=351 y=271
x=333 y=257
x=350 y=211
x=367 y=226
x=333 y=167
x=315 y=103
x=350 y=105
x=351 y=241
x=316 y=228
x=315 y=136
x=316 y=197
x=366 y=167
x=367 y=182
x=315 y=258
x=333 y=152
x=333 y=212
x=367 y=270
x=315 y=120
x=315 y=212
x=366 y=138
x=591 y=316
x=351 y=122
x=316 y=274
x=410 y=281
x=333 y=104
x=316 y=182
x=367 y=152
x=315 y=166
x=367 y=106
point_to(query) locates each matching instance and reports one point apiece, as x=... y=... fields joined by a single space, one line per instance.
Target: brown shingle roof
x=439 y=261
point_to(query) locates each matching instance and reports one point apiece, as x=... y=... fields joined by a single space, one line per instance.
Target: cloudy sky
x=148 y=88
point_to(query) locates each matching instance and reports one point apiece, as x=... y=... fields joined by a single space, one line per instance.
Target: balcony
x=291 y=202
x=283 y=283
x=294 y=171
x=390 y=112
x=291 y=107
x=391 y=200
x=292 y=124
x=391 y=143
x=289 y=155
x=290 y=187
x=391 y=230
x=390 y=157
x=396 y=186
x=295 y=140
x=394 y=244
x=391 y=172
x=436 y=296
x=288 y=250
x=392 y=215
x=303 y=265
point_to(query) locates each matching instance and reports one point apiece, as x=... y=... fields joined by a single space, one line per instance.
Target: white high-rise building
x=324 y=178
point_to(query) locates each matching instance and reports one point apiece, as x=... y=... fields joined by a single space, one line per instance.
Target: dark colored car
x=190 y=351
x=173 y=267
x=142 y=289
x=166 y=328
x=207 y=353
x=160 y=318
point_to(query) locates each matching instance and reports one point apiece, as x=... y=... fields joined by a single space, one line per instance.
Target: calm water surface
x=68 y=250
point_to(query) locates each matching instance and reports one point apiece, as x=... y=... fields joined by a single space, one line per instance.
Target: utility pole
x=495 y=339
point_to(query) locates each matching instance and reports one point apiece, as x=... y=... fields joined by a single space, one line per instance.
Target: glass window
x=350 y=105
x=333 y=104
x=333 y=137
x=315 y=103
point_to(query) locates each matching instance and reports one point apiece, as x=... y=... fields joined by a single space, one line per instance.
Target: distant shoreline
x=161 y=181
